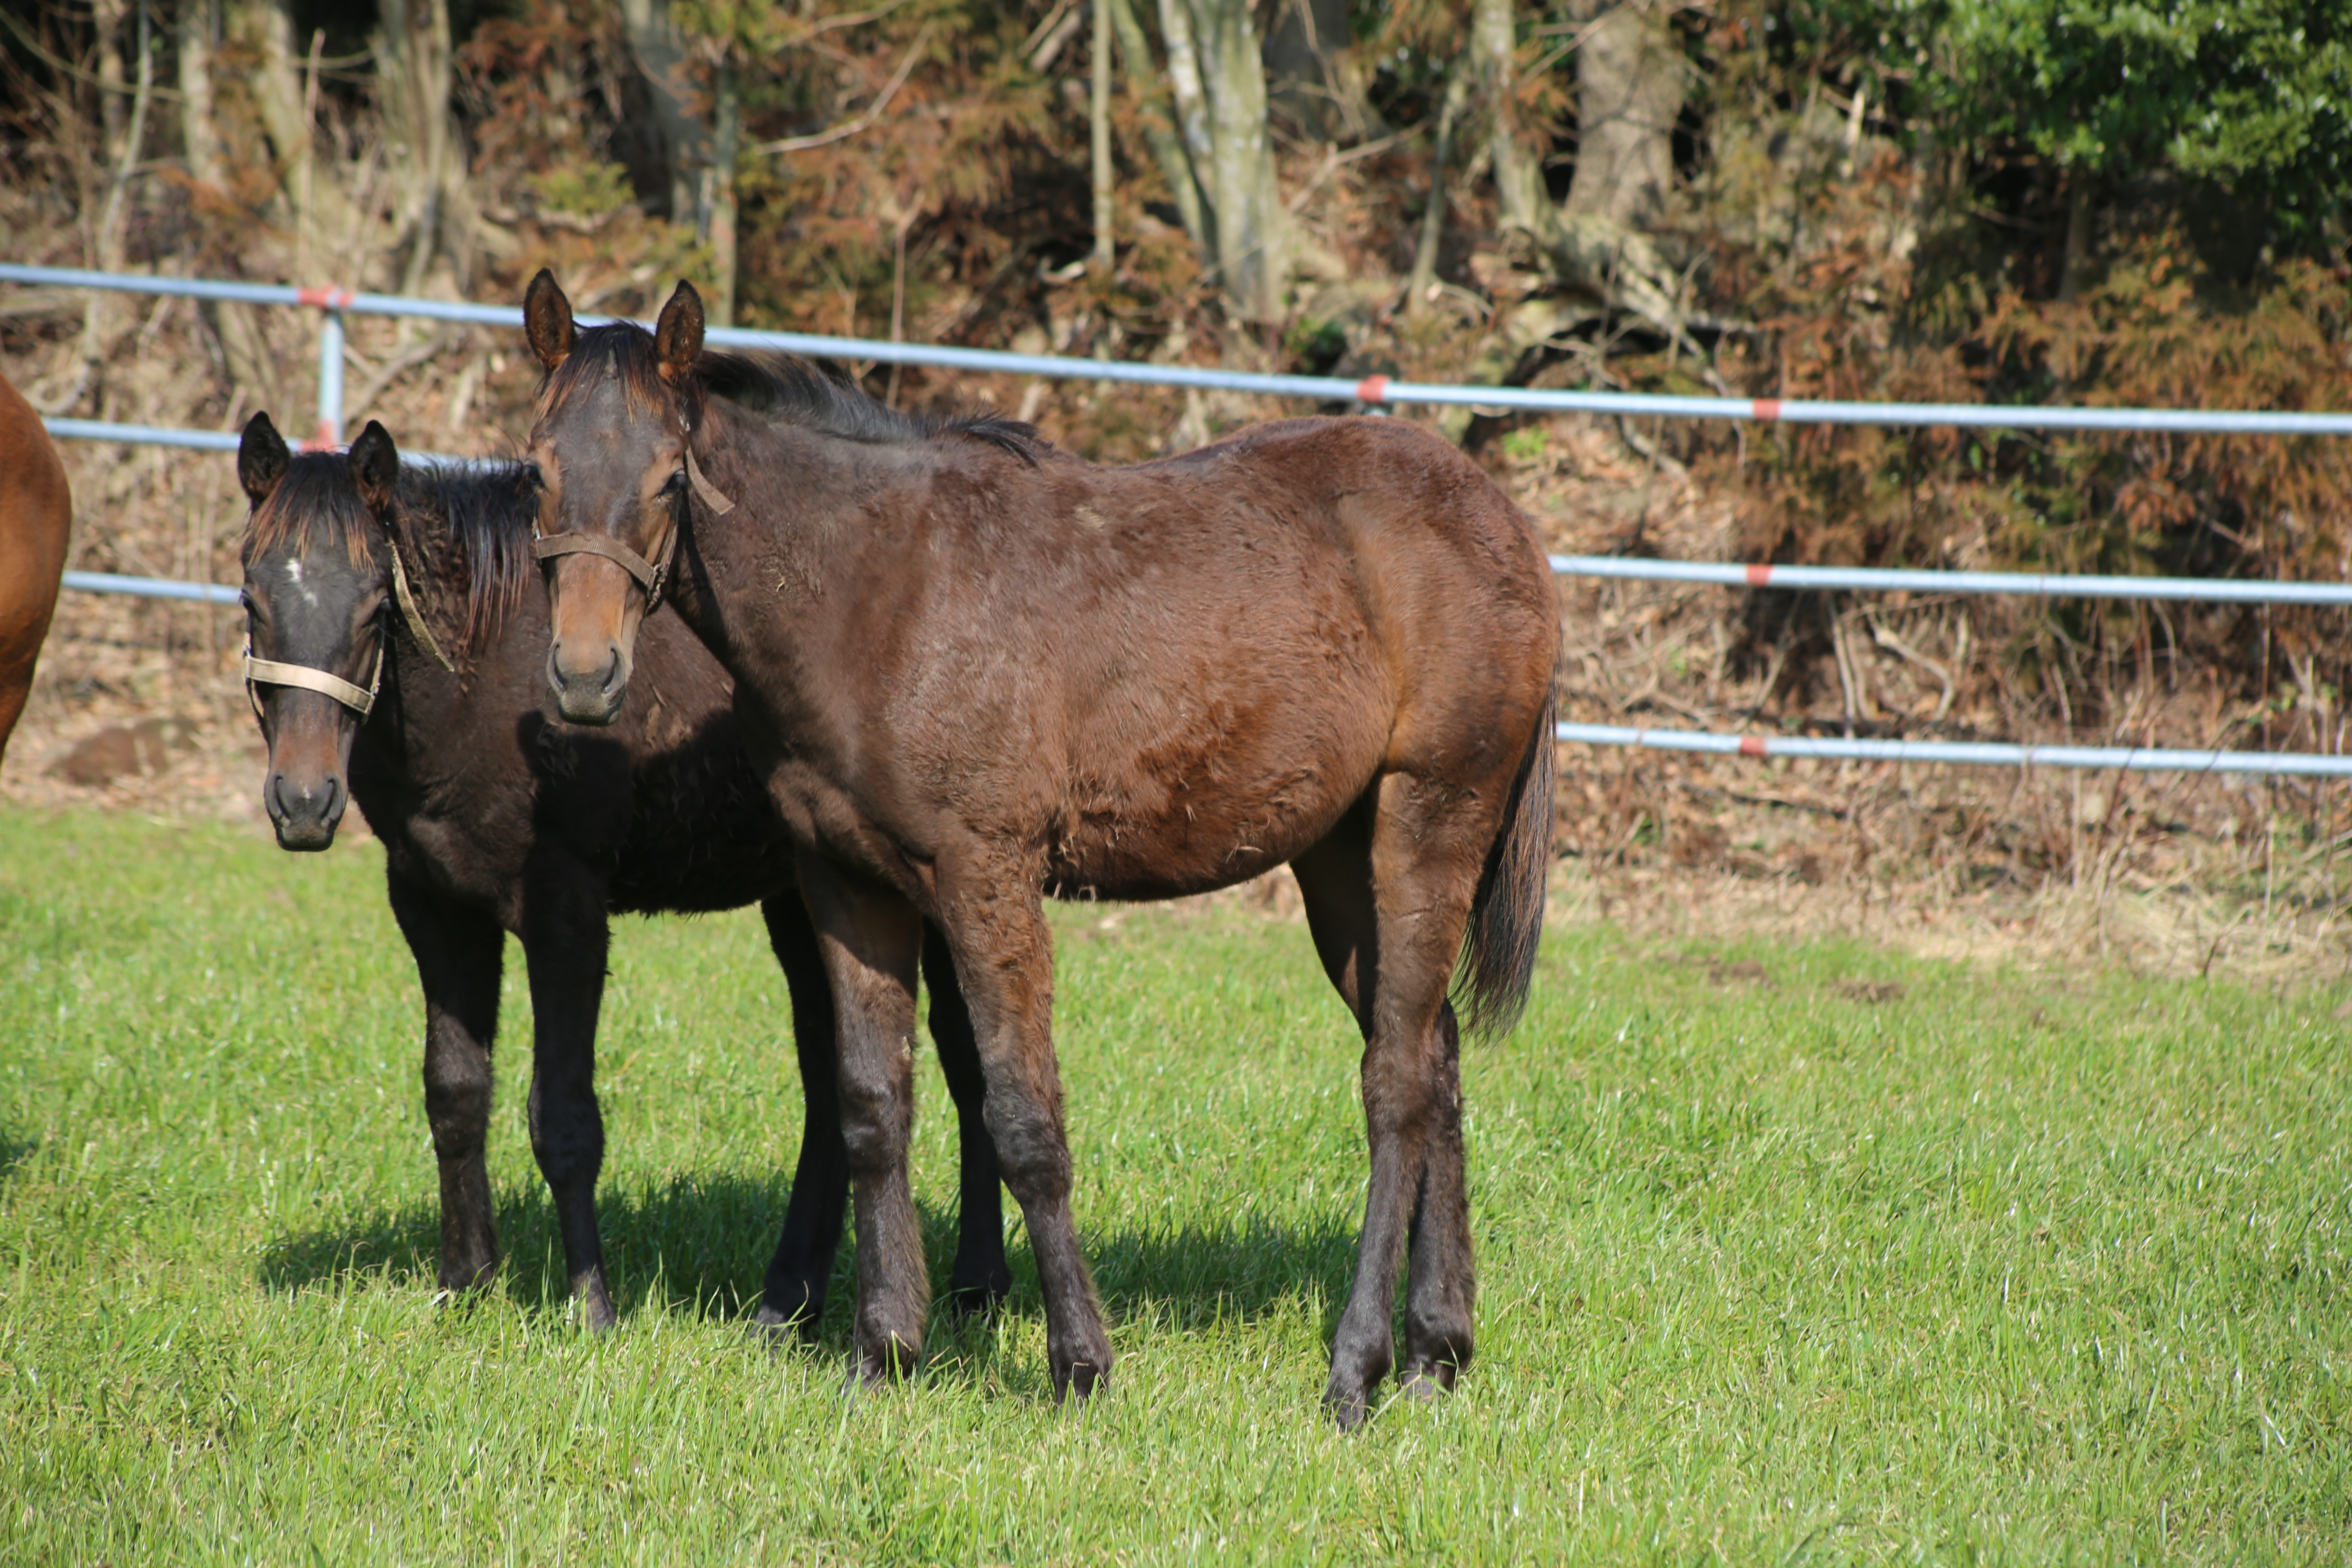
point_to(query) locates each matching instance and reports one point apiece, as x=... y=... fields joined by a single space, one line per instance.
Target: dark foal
x=972 y=671
x=496 y=818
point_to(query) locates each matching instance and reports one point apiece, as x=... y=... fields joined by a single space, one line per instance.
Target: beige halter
x=650 y=575
x=360 y=700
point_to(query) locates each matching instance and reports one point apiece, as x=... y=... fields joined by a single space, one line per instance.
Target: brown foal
x=35 y=513
x=973 y=670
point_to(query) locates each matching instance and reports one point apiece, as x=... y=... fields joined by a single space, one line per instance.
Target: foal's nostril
x=273 y=798
x=333 y=811
x=613 y=674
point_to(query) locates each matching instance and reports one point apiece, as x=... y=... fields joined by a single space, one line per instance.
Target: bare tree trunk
x=251 y=368
x=1175 y=165
x=1099 y=131
x=1422 y=283
x=2074 y=270
x=199 y=140
x=413 y=72
x=124 y=125
x=312 y=200
x=1307 y=76
x=1215 y=69
x=106 y=18
x=726 y=137
x=1631 y=78
x=672 y=148
x=1518 y=177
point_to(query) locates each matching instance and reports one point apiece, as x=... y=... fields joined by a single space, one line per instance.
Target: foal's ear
x=547 y=320
x=261 y=458
x=375 y=467
x=677 y=336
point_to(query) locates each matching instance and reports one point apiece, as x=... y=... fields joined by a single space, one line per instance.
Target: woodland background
x=2009 y=200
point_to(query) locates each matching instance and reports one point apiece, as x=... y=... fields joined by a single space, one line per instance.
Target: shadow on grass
x=701 y=1246
x=14 y=1152
x=1196 y=1274
x=686 y=1244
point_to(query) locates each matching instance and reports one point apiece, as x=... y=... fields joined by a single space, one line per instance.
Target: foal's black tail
x=1498 y=950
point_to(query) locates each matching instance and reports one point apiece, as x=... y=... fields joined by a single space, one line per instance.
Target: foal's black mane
x=484 y=508
x=782 y=387
x=488 y=507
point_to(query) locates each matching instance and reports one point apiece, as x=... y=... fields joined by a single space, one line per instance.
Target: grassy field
x=1786 y=1253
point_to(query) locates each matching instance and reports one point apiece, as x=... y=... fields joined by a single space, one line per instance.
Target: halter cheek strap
x=712 y=496
x=414 y=616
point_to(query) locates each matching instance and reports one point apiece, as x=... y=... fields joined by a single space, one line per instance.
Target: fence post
x=330 y=378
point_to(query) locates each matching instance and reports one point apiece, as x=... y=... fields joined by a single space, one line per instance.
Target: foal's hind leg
x=459 y=951
x=565 y=938
x=802 y=1269
x=1441 y=1281
x=1388 y=896
x=981 y=1277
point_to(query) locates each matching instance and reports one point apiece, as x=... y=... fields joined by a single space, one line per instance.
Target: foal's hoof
x=1427 y=1385
x=891 y=1360
x=462 y=1277
x=1355 y=1376
x=1348 y=1411
x=795 y=1310
x=977 y=1300
x=782 y=1328
x=596 y=1302
x=1080 y=1375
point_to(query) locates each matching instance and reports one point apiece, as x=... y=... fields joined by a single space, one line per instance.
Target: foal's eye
x=676 y=485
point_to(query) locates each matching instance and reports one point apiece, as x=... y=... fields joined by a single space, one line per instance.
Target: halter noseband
x=650 y=575
x=360 y=700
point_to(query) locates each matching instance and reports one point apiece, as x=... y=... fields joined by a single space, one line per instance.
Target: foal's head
x=318 y=579
x=614 y=446
x=610 y=444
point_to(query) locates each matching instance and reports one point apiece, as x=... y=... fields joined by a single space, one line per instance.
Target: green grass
x=2000 y=1268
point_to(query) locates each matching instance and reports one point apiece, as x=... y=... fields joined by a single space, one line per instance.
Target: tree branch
x=849 y=128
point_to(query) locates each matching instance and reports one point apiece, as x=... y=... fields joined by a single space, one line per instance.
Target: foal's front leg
x=1004 y=958
x=460 y=952
x=871 y=940
x=565 y=938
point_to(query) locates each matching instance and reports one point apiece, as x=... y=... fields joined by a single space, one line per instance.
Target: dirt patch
x=120 y=750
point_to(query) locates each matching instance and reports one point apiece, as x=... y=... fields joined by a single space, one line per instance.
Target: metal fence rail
x=1881 y=580
x=1372 y=392
x=1981 y=754
x=152 y=588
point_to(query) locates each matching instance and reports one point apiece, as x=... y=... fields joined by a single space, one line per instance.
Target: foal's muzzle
x=305 y=811
x=588 y=690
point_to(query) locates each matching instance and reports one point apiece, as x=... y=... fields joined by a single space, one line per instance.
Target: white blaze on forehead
x=294 y=579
